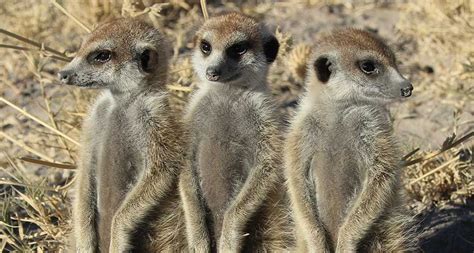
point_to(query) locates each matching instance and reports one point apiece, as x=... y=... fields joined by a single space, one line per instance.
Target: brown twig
x=25 y=147
x=32 y=49
x=204 y=9
x=41 y=46
x=69 y=15
x=442 y=150
x=49 y=164
x=435 y=170
x=38 y=121
x=410 y=154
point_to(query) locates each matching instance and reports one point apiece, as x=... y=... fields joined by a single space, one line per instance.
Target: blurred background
x=40 y=120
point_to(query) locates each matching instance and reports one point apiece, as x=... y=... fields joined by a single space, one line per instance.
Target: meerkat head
x=352 y=63
x=119 y=55
x=234 y=49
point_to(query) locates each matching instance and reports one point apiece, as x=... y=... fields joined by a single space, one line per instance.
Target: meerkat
x=132 y=153
x=232 y=189
x=341 y=158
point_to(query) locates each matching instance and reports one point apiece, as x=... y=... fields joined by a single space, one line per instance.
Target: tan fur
x=157 y=189
x=224 y=26
x=233 y=188
x=341 y=158
x=127 y=189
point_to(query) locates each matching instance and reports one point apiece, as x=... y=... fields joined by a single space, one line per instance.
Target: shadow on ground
x=449 y=229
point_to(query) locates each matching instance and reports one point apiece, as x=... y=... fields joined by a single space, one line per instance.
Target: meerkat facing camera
x=232 y=192
x=341 y=157
x=127 y=194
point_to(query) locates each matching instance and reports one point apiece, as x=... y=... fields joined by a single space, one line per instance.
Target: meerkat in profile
x=127 y=190
x=232 y=192
x=341 y=158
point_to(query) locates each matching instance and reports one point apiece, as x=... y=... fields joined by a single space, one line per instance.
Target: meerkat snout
x=213 y=74
x=64 y=76
x=401 y=86
x=406 y=89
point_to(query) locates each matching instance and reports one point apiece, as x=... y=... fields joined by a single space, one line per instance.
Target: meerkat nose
x=213 y=74
x=64 y=76
x=406 y=91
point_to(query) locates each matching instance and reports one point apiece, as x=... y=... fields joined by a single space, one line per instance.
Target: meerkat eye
x=238 y=49
x=368 y=67
x=103 y=56
x=206 y=47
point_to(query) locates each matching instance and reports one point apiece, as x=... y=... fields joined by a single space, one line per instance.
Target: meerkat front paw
x=200 y=246
x=85 y=248
x=345 y=246
x=314 y=247
x=85 y=242
x=229 y=241
x=346 y=243
x=225 y=245
x=316 y=241
x=119 y=244
x=119 y=239
x=345 y=249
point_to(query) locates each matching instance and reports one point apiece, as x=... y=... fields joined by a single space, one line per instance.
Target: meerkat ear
x=323 y=69
x=148 y=60
x=270 y=48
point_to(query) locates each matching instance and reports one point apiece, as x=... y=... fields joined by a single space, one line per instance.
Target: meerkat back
x=127 y=183
x=235 y=135
x=342 y=161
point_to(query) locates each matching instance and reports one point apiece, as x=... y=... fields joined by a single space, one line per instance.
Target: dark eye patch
x=100 y=56
x=369 y=67
x=144 y=59
x=238 y=49
x=322 y=66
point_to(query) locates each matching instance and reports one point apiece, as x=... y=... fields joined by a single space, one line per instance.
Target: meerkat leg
x=194 y=212
x=275 y=229
x=368 y=207
x=150 y=190
x=308 y=224
x=262 y=179
x=153 y=186
x=240 y=212
x=85 y=208
x=393 y=233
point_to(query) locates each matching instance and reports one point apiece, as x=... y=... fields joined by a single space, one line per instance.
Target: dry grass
x=444 y=42
x=41 y=120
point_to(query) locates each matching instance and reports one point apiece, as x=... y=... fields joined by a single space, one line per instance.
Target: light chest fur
x=342 y=150
x=119 y=153
x=227 y=120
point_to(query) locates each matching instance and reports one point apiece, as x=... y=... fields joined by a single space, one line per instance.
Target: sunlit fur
x=233 y=195
x=223 y=31
x=122 y=72
x=132 y=145
x=342 y=161
x=345 y=48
